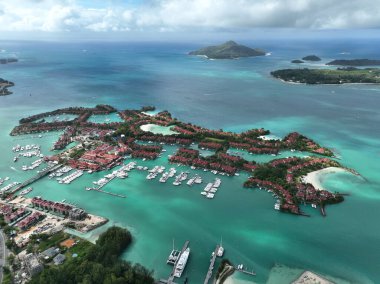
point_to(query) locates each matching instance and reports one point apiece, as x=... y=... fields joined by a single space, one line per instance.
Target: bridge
x=35 y=178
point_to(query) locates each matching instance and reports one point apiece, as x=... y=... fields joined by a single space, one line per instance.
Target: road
x=3 y=254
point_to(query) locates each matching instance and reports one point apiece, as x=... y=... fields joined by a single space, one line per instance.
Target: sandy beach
x=147 y=127
x=311 y=278
x=157 y=129
x=316 y=178
x=233 y=280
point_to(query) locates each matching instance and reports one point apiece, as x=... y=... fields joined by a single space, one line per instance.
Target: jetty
x=106 y=192
x=322 y=208
x=212 y=264
x=242 y=270
x=35 y=178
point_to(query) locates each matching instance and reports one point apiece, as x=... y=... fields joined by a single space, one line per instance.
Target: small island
x=355 y=62
x=228 y=50
x=7 y=60
x=297 y=61
x=328 y=76
x=4 y=85
x=311 y=58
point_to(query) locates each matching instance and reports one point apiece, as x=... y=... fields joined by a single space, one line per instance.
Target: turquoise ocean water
x=234 y=95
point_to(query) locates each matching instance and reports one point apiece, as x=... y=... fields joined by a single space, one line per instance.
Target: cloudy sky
x=179 y=16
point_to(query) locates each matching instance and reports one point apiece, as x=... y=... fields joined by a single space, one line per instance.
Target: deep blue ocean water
x=234 y=95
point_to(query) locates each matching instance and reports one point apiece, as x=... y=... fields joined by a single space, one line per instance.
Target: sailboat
x=221 y=249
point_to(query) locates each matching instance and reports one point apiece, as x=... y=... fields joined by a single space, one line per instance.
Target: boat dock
x=212 y=264
x=322 y=209
x=35 y=178
x=106 y=192
x=171 y=277
x=242 y=270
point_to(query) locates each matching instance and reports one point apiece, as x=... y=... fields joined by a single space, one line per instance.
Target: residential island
x=329 y=76
x=104 y=146
x=228 y=50
x=4 y=85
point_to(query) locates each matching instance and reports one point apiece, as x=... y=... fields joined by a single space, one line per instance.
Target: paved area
x=3 y=254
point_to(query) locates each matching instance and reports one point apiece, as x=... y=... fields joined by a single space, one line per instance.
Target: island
x=7 y=60
x=228 y=50
x=297 y=61
x=355 y=62
x=4 y=85
x=102 y=146
x=311 y=58
x=329 y=76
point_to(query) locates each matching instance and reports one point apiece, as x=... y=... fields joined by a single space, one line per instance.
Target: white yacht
x=181 y=264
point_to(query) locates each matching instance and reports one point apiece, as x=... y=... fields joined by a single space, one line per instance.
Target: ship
x=181 y=264
x=220 y=251
x=26 y=191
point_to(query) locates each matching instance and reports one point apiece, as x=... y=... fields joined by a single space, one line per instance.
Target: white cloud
x=168 y=15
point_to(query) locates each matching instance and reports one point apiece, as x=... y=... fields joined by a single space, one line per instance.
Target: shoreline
x=340 y=84
x=311 y=277
x=315 y=178
x=147 y=127
x=157 y=129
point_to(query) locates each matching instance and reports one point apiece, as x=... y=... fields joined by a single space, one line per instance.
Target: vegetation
x=297 y=61
x=311 y=58
x=7 y=276
x=76 y=153
x=148 y=108
x=273 y=174
x=4 y=85
x=228 y=50
x=327 y=76
x=100 y=264
x=355 y=62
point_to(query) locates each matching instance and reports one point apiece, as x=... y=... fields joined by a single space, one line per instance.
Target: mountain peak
x=230 y=43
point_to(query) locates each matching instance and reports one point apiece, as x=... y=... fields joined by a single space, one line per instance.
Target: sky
x=172 y=18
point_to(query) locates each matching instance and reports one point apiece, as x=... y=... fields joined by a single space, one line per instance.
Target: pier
x=323 y=212
x=211 y=267
x=106 y=192
x=35 y=178
x=242 y=270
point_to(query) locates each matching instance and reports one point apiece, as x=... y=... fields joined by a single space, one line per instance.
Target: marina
x=211 y=188
x=180 y=178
